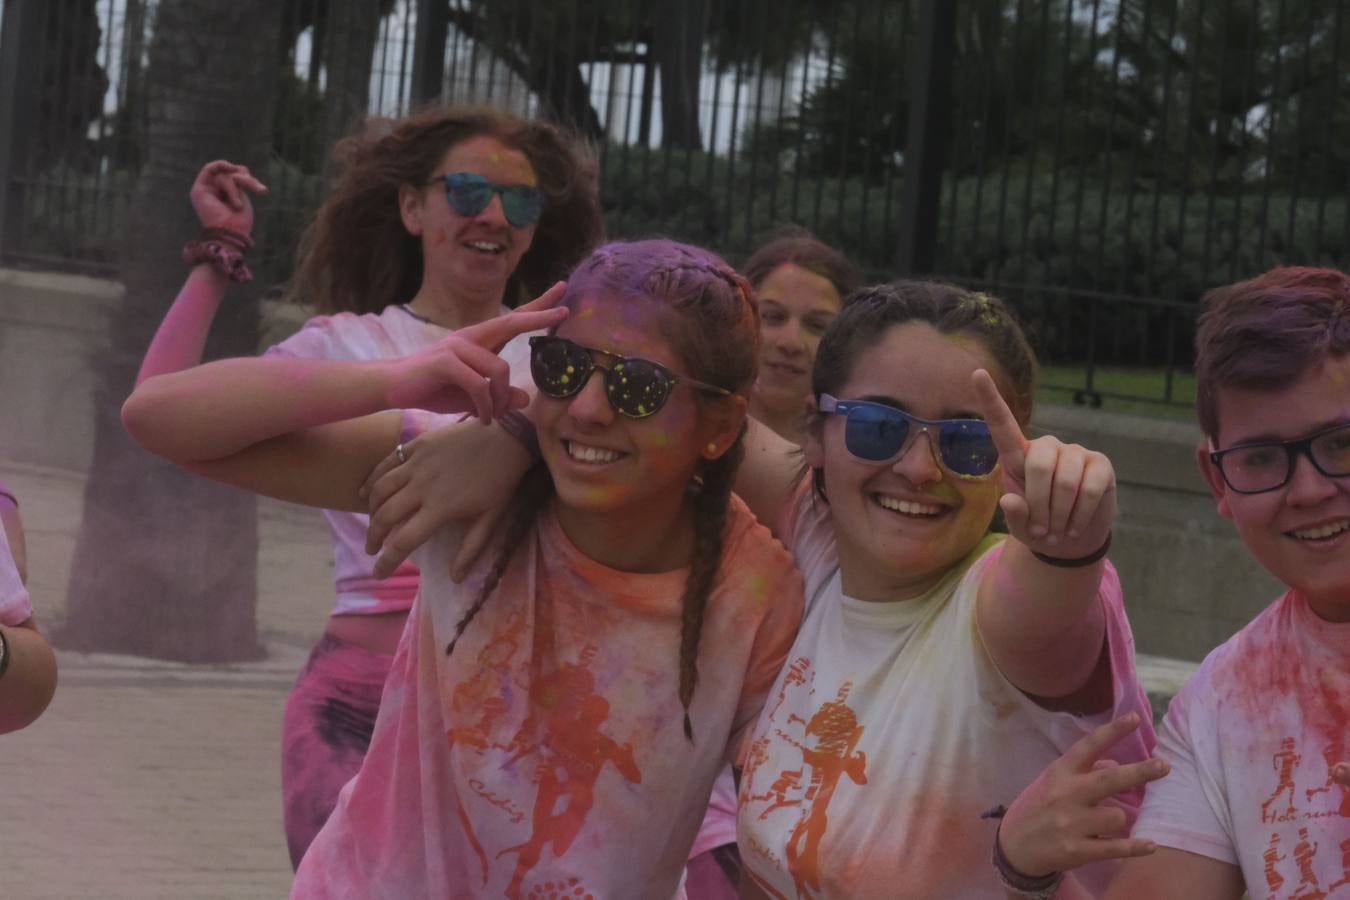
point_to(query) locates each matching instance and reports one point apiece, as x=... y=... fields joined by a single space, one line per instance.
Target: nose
x=918 y=462
x=1307 y=486
x=590 y=405
x=788 y=338
x=494 y=213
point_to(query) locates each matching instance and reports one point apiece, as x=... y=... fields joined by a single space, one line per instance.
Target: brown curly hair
x=356 y=255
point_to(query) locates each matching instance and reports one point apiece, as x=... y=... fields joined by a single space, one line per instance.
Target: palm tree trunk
x=166 y=562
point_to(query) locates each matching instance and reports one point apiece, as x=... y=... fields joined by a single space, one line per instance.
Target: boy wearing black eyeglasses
x=1258 y=798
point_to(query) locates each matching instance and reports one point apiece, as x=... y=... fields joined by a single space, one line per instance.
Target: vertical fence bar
x=20 y=44
x=433 y=24
x=929 y=121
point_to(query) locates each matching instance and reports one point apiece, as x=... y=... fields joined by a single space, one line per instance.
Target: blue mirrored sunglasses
x=874 y=432
x=469 y=194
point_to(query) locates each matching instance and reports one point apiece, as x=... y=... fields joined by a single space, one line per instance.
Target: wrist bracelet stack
x=1039 y=887
x=223 y=249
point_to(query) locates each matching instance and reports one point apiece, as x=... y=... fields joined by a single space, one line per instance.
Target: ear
x=1213 y=480
x=724 y=420
x=410 y=209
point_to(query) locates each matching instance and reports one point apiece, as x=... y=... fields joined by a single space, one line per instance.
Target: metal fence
x=1098 y=162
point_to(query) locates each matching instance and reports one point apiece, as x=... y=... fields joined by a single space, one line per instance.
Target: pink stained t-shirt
x=15 y=605
x=393 y=332
x=546 y=756
x=1251 y=740
x=891 y=732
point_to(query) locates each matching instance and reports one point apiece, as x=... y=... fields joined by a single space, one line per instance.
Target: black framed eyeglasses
x=1268 y=465
x=469 y=194
x=635 y=387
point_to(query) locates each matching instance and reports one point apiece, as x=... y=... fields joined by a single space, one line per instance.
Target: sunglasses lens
x=522 y=205
x=874 y=432
x=637 y=388
x=967 y=448
x=467 y=194
x=559 y=367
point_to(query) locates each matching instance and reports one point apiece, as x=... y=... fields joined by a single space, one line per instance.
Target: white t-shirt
x=15 y=605
x=546 y=756
x=891 y=731
x=1252 y=738
x=391 y=333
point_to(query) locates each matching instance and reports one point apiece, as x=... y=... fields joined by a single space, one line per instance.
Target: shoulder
x=351 y=336
x=754 y=563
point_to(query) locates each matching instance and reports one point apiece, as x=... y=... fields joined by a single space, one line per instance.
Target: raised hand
x=220 y=196
x=1066 y=817
x=462 y=372
x=440 y=479
x=1060 y=499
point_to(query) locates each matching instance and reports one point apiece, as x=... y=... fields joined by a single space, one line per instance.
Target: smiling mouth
x=785 y=367
x=585 y=453
x=491 y=248
x=1320 y=532
x=908 y=507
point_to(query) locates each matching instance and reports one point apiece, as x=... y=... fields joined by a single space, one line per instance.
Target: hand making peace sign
x=1060 y=498
x=462 y=372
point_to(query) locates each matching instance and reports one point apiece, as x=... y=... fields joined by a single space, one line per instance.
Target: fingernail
x=1038 y=530
x=1052 y=539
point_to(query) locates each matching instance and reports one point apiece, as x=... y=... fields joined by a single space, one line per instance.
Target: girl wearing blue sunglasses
x=940 y=667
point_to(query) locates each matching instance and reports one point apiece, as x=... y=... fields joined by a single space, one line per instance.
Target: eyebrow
x=1267 y=437
x=948 y=414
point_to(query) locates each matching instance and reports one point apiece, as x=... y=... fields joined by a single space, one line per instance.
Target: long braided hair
x=713 y=324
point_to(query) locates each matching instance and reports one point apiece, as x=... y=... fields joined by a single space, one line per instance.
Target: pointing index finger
x=1003 y=427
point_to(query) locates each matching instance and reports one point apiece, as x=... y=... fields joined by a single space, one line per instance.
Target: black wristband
x=1079 y=562
x=1039 y=887
x=4 y=653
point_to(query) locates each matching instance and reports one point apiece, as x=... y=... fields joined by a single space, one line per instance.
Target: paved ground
x=150 y=780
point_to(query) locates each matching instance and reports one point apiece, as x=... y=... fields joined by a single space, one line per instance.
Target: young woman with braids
x=940 y=667
x=555 y=722
x=436 y=221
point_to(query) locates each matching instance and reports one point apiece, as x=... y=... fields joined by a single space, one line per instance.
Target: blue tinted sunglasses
x=874 y=432
x=470 y=194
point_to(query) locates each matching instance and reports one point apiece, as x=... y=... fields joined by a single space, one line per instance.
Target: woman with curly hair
x=437 y=221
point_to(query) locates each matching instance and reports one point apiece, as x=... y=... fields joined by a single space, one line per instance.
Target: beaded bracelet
x=1077 y=562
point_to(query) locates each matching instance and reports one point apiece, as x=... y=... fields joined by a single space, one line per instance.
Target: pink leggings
x=330 y=715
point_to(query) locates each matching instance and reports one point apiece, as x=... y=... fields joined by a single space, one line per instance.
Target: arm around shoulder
x=771 y=470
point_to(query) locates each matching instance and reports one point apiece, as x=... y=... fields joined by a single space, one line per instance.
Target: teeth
x=908 y=507
x=583 y=453
x=1322 y=531
x=485 y=246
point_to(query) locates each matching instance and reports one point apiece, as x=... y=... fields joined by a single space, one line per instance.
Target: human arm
x=772 y=468
x=29 y=677
x=1045 y=625
x=281 y=426
x=220 y=198
x=29 y=681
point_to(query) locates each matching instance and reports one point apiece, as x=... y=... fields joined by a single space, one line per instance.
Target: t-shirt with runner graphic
x=891 y=731
x=546 y=756
x=1252 y=738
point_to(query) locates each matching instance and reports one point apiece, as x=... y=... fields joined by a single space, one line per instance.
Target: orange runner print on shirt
x=570 y=749
x=837 y=732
